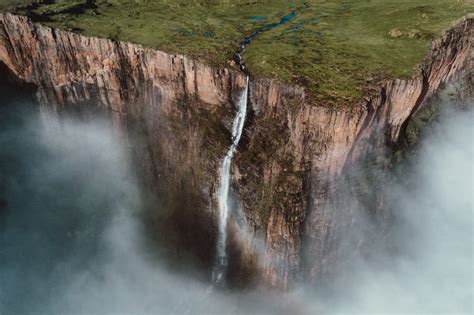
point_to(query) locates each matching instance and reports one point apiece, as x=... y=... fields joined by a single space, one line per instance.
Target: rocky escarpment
x=296 y=176
x=172 y=111
x=291 y=166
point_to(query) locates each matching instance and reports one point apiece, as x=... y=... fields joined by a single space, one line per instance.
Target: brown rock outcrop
x=176 y=112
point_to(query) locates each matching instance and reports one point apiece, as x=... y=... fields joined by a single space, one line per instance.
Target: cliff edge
x=175 y=114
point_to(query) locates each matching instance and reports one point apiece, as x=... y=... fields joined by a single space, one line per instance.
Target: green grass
x=341 y=46
x=335 y=48
x=6 y=5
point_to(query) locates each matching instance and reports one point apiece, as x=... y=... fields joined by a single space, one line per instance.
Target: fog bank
x=72 y=242
x=431 y=270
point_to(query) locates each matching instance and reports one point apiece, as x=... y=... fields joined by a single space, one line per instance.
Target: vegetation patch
x=334 y=48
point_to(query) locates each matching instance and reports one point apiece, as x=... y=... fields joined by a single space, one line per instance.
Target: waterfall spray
x=224 y=185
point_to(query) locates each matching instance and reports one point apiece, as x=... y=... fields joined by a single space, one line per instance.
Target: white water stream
x=224 y=183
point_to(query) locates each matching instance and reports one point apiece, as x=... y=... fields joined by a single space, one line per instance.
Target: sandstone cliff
x=176 y=113
x=298 y=153
x=172 y=110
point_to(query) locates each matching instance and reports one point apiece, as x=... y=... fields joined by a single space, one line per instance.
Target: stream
x=220 y=267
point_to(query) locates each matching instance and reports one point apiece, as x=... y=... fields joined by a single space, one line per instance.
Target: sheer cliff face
x=300 y=155
x=176 y=114
x=173 y=111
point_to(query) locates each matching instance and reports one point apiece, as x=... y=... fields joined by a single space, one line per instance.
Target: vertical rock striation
x=176 y=113
x=292 y=173
x=173 y=111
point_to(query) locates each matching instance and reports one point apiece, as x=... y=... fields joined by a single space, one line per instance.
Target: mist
x=426 y=265
x=72 y=239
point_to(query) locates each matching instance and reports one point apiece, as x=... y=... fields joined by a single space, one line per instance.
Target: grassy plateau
x=335 y=48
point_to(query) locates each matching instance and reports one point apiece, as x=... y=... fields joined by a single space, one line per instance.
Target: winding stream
x=248 y=40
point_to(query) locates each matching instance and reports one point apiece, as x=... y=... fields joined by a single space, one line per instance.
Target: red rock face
x=291 y=191
x=171 y=110
x=176 y=112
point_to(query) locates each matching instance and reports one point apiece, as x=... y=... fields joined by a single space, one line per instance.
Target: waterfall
x=237 y=128
x=224 y=185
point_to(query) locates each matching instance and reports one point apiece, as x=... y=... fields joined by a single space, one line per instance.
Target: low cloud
x=432 y=270
x=71 y=239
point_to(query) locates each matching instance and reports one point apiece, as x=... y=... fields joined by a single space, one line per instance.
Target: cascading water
x=237 y=128
x=224 y=185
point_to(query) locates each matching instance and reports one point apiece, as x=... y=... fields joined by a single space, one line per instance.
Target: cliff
x=290 y=171
x=171 y=111
x=307 y=210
